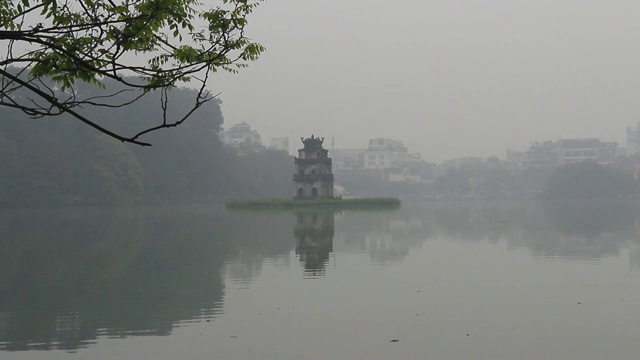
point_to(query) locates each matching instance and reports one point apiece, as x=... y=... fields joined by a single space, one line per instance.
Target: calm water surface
x=445 y=280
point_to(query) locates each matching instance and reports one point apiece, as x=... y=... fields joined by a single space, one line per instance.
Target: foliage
x=531 y=179
x=271 y=169
x=120 y=171
x=588 y=180
x=454 y=180
x=54 y=46
x=495 y=180
x=8 y=165
x=59 y=161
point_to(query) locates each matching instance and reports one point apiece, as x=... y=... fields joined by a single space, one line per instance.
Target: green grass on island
x=337 y=204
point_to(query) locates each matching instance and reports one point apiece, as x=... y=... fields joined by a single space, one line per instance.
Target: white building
x=390 y=156
x=347 y=159
x=404 y=175
x=550 y=154
x=382 y=152
x=281 y=143
x=377 y=159
x=240 y=134
x=571 y=151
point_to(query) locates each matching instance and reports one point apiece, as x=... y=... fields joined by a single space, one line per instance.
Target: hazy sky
x=449 y=77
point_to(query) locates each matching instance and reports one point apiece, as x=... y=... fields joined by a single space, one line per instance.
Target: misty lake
x=433 y=280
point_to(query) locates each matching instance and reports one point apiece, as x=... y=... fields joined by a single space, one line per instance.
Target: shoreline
x=334 y=204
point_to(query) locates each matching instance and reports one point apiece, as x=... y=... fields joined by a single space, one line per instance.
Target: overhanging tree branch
x=174 y=42
x=54 y=102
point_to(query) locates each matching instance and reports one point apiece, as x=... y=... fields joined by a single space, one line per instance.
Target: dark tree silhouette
x=51 y=45
x=587 y=180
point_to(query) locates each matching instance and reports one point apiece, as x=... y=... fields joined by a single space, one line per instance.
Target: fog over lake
x=437 y=279
x=507 y=130
x=450 y=78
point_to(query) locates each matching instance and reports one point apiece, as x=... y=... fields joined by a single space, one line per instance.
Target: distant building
x=514 y=157
x=404 y=175
x=383 y=152
x=493 y=160
x=550 y=154
x=241 y=134
x=313 y=177
x=607 y=152
x=281 y=143
x=571 y=151
x=410 y=168
x=463 y=162
x=377 y=159
x=540 y=154
x=471 y=164
x=621 y=152
x=348 y=159
x=385 y=144
x=633 y=140
x=389 y=157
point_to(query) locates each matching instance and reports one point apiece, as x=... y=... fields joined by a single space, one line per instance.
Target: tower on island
x=313 y=178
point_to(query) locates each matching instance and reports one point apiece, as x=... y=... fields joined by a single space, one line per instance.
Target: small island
x=306 y=204
x=313 y=186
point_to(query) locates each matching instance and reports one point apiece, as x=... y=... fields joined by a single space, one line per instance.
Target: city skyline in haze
x=449 y=78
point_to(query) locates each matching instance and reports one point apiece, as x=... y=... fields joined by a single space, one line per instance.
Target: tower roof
x=312 y=142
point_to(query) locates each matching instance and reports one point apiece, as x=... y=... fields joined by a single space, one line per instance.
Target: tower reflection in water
x=314 y=240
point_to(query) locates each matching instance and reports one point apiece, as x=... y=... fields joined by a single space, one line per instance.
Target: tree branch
x=54 y=102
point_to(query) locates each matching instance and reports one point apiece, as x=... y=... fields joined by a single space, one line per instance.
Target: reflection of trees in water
x=386 y=235
x=589 y=218
x=476 y=220
x=68 y=277
x=251 y=238
x=579 y=230
x=634 y=252
x=586 y=230
x=314 y=240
